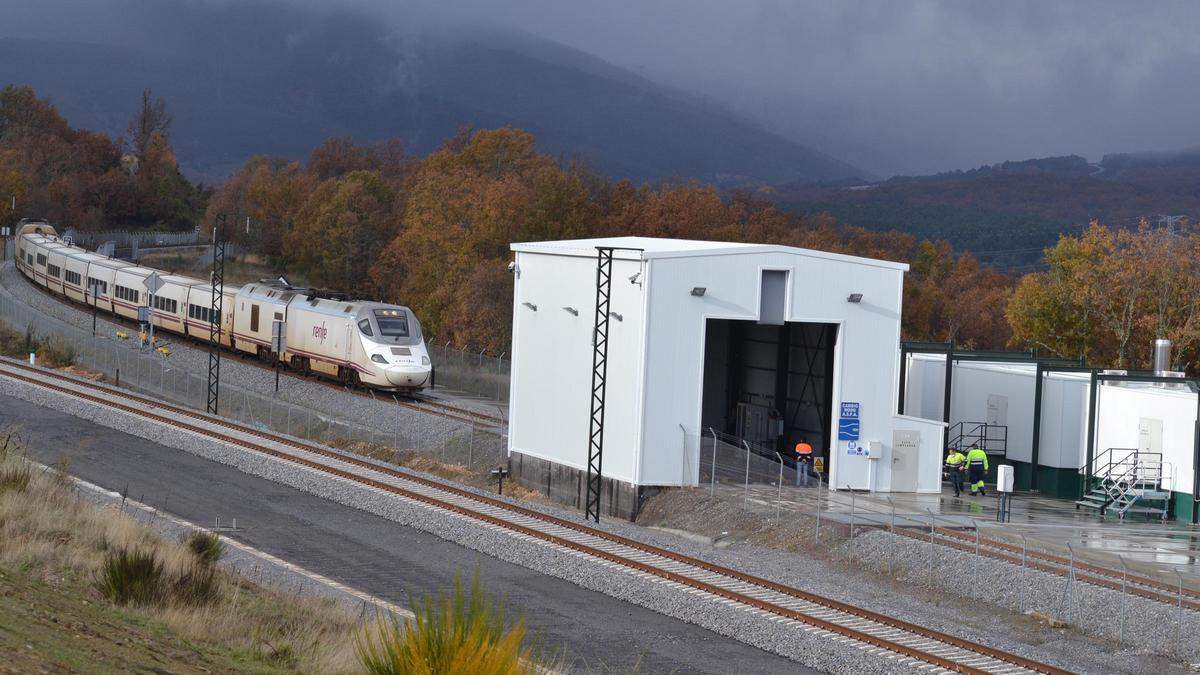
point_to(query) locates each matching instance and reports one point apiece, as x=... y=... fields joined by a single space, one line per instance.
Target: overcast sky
x=903 y=86
x=892 y=86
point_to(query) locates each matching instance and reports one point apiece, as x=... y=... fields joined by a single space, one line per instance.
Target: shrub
x=15 y=477
x=197 y=585
x=206 y=546
x=458 y=634
x=132 y=576
x=56 y=352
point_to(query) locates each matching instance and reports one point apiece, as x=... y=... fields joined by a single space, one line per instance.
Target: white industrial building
x=766 y=342
x=1153 y=418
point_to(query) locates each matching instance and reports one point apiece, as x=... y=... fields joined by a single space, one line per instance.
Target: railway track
x=418 y=402
x=907 y=644
x=1145 y=587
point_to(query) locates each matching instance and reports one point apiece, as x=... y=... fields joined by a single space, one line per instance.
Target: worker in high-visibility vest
x=804 y=453
x=956 y=462
x=977 y=464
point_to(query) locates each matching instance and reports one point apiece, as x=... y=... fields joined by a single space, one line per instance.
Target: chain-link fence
x=394 y=427
x=475 y=373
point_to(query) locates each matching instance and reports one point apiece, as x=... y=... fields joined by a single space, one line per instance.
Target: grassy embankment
x=88 y=589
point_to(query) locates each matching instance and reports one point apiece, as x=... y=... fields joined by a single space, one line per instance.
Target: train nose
x=407 y=376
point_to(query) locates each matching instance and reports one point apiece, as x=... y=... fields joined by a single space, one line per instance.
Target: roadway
x=378 y=556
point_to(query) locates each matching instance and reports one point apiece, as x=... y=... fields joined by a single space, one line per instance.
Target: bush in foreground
x=458 y=634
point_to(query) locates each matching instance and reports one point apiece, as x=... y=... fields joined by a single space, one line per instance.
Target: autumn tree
x=340 y=229
x=466 y=203
x=151 y=119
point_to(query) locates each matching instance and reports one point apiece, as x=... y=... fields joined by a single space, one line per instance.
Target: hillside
x=249 y=79
x=1010 y=211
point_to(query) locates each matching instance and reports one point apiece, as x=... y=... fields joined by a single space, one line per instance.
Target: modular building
x=770 y=344
x=1152 y=418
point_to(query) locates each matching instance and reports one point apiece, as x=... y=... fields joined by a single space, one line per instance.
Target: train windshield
x=392 y=322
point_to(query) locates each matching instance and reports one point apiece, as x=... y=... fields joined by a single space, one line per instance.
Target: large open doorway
x=770 y=385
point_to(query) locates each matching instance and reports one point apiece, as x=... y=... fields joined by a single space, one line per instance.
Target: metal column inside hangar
x=763 y=343
x=770 y=384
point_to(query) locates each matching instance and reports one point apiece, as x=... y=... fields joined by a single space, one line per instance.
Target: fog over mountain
x=904 y=87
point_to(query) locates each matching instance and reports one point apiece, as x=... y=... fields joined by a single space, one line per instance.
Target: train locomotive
x=356 y=342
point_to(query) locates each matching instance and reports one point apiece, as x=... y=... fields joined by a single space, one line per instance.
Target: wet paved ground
x=1047 y=523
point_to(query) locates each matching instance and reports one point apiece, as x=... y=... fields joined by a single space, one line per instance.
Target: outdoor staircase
x=1124 y=481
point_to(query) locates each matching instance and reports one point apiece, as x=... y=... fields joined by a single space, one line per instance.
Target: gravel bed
x=1149 y=626
x=859 y=582
x=810 y=648
x=251 y=388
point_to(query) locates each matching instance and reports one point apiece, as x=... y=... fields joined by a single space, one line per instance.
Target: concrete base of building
x=566 y=485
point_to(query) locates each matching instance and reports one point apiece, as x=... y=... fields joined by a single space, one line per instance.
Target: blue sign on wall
x=848 y=425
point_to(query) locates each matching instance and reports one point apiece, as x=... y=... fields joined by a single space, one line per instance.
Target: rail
x=919 y=643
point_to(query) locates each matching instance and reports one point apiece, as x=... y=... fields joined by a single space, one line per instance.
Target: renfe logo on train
x=320 y=332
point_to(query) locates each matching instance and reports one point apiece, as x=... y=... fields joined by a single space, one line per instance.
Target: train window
x=392 y=322
x=254 y=318
x=53 y=270
x=279 y=316
x=41 y=259
x=73 y=278
x=99 y=287
x=128 y=294
x=365 y=327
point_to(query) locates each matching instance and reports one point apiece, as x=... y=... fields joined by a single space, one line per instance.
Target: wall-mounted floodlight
x=530 y=305
x=699 y=291
x=572 y=310
x=616 y=316
x=854 y=297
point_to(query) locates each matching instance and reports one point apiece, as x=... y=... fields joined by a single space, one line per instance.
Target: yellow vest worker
x=977 y=464
x=955 y=463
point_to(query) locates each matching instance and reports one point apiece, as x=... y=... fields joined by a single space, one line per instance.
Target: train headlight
x=424 y=360
x=378 y=358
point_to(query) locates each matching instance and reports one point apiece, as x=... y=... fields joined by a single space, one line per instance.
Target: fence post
x=712 y=478
x=975 y=562
x=1179 y=621
x=931 y=525
x=471 y=449
x=746 y=488
x=892 y=548
x=779 y=489
x=1124 y=598
x=1070 y=587
x=817 y=532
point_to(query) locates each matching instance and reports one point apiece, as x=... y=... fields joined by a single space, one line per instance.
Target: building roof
x=647 y=248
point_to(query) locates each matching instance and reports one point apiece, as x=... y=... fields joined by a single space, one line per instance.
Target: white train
x=368 y=343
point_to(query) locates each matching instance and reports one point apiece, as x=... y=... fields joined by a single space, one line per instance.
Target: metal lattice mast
x=604 y=258
x=214 y=317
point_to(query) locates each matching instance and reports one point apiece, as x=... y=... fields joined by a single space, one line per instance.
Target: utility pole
x=214 y=317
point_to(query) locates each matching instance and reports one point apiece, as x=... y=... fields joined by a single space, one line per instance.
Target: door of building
x=906 y=447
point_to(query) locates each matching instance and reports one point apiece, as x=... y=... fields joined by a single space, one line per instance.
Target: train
x=355 y=342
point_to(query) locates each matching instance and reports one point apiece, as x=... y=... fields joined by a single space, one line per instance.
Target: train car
x=169 y=305
x=356 y=342
x=259 y=306
x=102 y=281
x=199 y=314
x=56 y=260
x=129 y=290
x=75 y=265
x=369 y=343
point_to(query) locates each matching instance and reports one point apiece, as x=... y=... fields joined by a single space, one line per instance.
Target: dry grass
x=52 y=351
x=49 y=537
x=429 y=463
